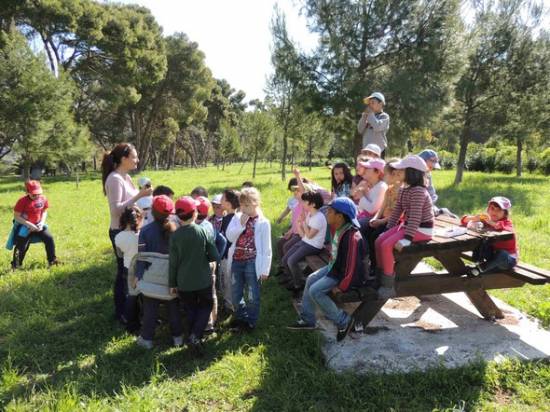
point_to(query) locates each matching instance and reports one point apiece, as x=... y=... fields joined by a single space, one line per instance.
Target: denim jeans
x=120 y=285
x=22 y=244
x=243 y=277
x=292 y=259
x=500 y=260
x=318 y=286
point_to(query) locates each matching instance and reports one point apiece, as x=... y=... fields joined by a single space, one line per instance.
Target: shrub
x=545 y=161
x=505 y=159
x=447 y=159
x=532 y=164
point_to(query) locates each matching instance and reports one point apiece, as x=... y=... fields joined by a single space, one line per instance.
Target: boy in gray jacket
x=374 y=122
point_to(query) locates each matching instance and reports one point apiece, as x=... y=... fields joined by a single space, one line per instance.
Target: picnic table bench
x=450 y=252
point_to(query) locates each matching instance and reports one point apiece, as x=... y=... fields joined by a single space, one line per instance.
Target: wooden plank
x=529 y=276
x=431 y=284
x=367 y=310
x=484 y=304
x=315 y=262
x=534 y=269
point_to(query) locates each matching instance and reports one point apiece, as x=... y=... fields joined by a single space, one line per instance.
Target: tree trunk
x=255 y=161
x=461 y=163
x=310 y=150
x=519 y=159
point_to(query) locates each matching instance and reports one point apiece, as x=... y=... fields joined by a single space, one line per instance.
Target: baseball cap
x=414 y=161
x=145 y=202
x=430 y=155
x=33 y=187
x=376 y=95
x=217 y=199
x=374 y=148
x=143 y=181
x=503 y=202
x=163 y=204
x=203 y=206
x=377 y=164
x=186 y=204
x=346 y=206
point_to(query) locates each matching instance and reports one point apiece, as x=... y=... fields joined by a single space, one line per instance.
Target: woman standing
x=121 y=193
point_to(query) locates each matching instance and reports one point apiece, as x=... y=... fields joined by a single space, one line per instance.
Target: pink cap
x=503 y=202
x=377 y=164
x=414 y=161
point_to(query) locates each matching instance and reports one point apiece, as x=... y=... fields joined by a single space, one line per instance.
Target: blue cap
x=429 y=154
x=346 y=206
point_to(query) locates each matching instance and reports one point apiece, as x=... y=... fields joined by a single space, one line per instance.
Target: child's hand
x=32 y=227
x=336 y=290
x=374 y=223
x=145 y=191
x=296 y=172
x=244 y=219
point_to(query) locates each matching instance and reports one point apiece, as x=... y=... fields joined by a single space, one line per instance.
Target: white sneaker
x=144 y=343
x=178 y=341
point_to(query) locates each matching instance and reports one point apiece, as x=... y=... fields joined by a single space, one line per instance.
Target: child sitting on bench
x=501 y=255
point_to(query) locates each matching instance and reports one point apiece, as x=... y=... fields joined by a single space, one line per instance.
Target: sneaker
x=473 y=271
x=342 y=333
x=144 y=343
x=54 y=262
x=301 y=324
x=178 y=341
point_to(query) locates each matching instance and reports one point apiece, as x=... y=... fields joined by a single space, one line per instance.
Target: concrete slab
x=439 y=330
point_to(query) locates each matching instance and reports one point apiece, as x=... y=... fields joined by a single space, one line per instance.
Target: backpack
x=154 y=283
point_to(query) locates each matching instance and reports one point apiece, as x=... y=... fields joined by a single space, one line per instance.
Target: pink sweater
x=416 y=204
x=120 y=191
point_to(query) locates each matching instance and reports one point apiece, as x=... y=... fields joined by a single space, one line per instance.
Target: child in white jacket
x=250 y=256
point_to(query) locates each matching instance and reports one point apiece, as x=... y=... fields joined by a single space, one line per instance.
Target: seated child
x=163 y=190
x=372 y=151
x=412 y=220
x=344 y=270
x=155 y=237
x=250 y=235
x=312 y=232
x=357 y=183
x=126 y=243
x=372 y=194
x=326 y=195
x=341 y=180
x=501 y=255
x=30 y=212
x=190 y=270
x=377 y=225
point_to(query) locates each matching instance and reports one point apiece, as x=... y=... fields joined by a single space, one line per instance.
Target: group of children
x=386 y=206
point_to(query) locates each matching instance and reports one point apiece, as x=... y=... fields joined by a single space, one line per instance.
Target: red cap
x=204 y=205
x=186 y=204
x=163 y=204
x=33 y=187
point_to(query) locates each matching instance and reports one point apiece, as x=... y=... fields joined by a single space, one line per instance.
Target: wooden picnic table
x=450 y=252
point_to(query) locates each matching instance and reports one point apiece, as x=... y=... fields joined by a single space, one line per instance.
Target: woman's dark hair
x=168 y=227
x=247 y=183
x=314 y=198
x=199 y=191
x=348 y=178
x=232 y=196
x=414 y=177
x=163 y=190
x=130 y=216
x=113 y=159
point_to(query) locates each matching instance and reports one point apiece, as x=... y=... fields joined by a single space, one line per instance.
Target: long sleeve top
x=120 y=190
x=346 y=265
x=416 y=205
x=373 y=127
x=151 y=239
x=373 y=199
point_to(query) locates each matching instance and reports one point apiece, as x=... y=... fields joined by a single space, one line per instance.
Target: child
x=312 y=185
x=372 y=151
x=230 y=204
x=312 y=233
x=190 y=270
x=217 y=218
x=30 y=212
x=377 y=225
x=373 y=193
x=374 y=122
x=358 y=183
x=163 y=190
x=341 y=180
x=199 y=191
x=344 y=270
x=250 y=235
x=501 y=255
x=292 y=201
x=155 y=237
x=146 y=202
x=415 y=204
x=126 y=243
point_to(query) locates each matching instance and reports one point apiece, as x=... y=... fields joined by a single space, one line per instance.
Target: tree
x=257 y=133
x=36 y=117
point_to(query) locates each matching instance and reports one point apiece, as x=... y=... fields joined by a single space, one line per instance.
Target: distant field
x=61 y=350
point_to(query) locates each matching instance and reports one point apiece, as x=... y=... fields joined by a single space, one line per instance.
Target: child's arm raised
x=283 y=215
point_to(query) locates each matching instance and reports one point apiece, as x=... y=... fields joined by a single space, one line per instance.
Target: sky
x=233 y=34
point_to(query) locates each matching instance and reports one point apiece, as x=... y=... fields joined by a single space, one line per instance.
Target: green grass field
x=60 y=349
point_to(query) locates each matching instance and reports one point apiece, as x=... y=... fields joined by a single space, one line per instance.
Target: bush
x=545 y=161
x=447 y=159
x=505 y=159
x=532 y=164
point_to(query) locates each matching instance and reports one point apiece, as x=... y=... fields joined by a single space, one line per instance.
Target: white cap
x=374 y=148
x=376 y=95
x=145 y=202
x=217 y=199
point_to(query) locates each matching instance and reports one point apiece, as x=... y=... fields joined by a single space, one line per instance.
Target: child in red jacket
x=500 y=255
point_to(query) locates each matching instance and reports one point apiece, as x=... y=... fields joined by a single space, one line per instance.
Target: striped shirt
x=416 y=206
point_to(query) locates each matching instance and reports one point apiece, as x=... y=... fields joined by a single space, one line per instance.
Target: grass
x=60 y=349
